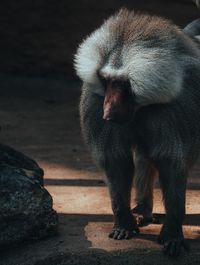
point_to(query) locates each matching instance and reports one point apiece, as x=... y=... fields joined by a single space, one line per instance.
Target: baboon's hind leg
x=144 y=182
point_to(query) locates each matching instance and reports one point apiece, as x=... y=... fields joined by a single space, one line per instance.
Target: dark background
x=41 y=37
x=39 y=115
x=39 y=91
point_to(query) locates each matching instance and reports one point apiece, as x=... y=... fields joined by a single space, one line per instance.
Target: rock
x=23 y=163
x=25 y=205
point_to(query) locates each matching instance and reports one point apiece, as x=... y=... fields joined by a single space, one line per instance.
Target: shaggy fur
x=162 y=64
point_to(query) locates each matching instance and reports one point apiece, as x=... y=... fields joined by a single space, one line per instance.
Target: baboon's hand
x=172 y=246
x=121 y=233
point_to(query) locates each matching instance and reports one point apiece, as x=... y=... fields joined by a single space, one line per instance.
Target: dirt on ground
x=39 y=116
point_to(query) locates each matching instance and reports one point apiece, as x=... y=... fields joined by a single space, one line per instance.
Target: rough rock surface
x=25 y=205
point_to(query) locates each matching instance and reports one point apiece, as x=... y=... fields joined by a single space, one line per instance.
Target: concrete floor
x=39 y=116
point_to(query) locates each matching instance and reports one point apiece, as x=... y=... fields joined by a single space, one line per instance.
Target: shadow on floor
x=73 y=239
x=75 y=182
x=99 y=183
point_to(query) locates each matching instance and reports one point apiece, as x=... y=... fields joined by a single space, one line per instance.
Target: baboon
x=141 y=95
